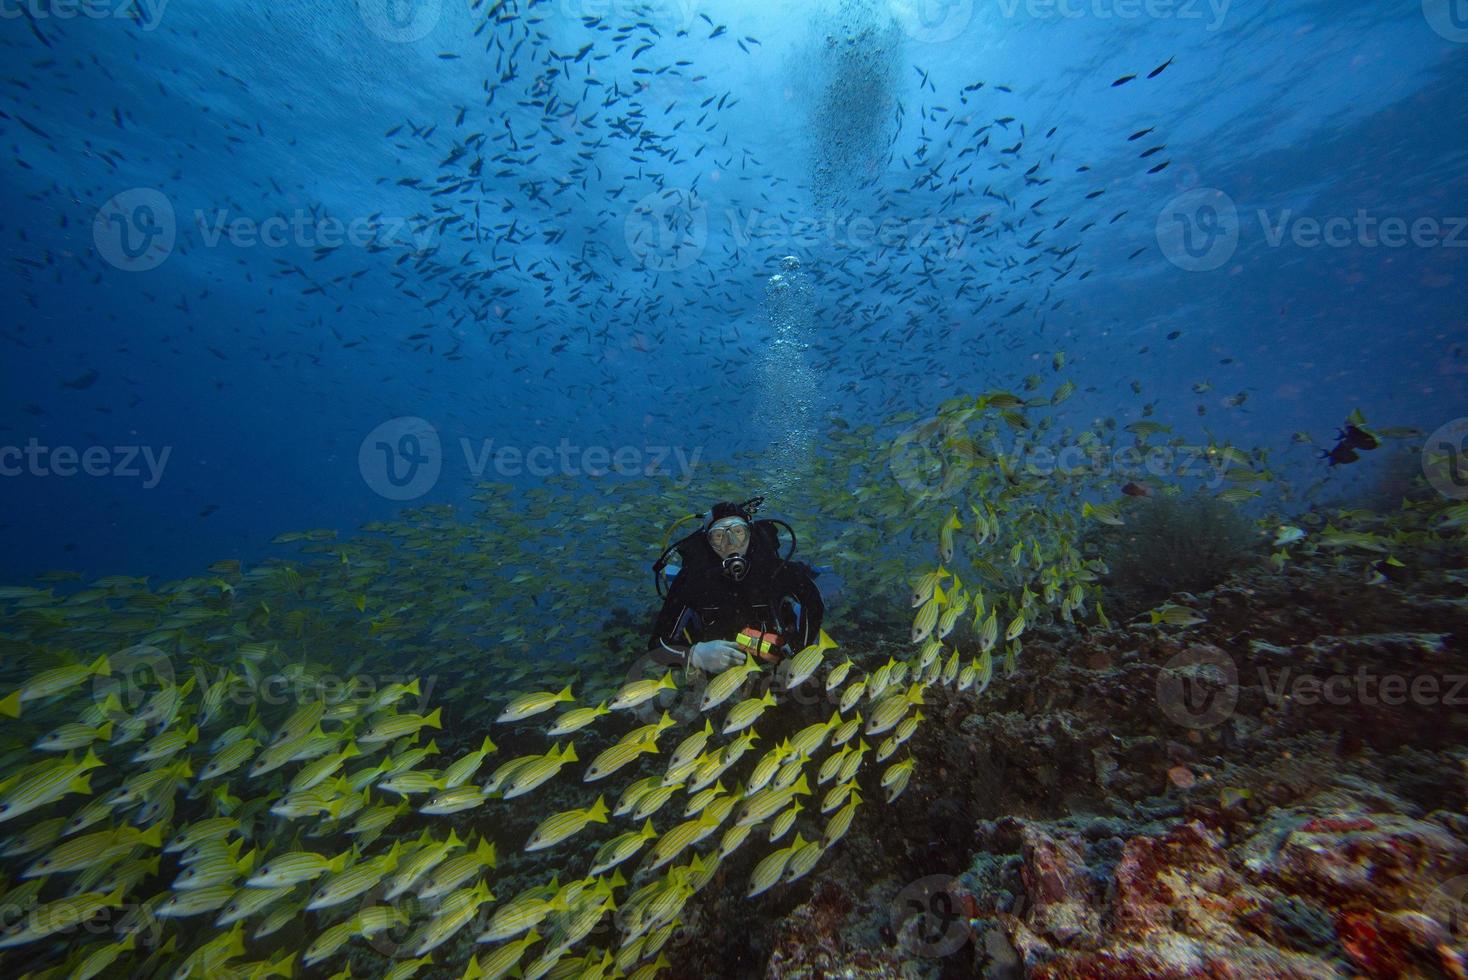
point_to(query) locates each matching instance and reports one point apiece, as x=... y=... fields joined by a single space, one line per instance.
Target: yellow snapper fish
x=895 y=779
x=391 y=695
x=927 y=585
x=927 y=617
x=851 y=696
x=576 y=719
x=690 y=747
x=768 y=872
x=528 y=705
x=61 y=914
x=52 y=682
x=557 y=827
x=806 y=662
x=1174 y=615
x=454 y=800
x=837 y=675
x=840 y=821
x=458 y=869
x=617 y=756
x=463 y=769
x=536 y=772
x=890 y=710
x=356 y=880
x=621 y=848
x=945 y=536
x=75 y=735
x=426 y=856
x=295 y=867
x=101 y=848
x=501 y=961
x=809 y=739
x=48 y=783
x=634 y=693
x=391 y=727
x=525 y=911
x=722 y=687
x=746 y=713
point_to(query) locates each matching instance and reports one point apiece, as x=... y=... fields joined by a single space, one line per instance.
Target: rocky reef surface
x=1277 y=792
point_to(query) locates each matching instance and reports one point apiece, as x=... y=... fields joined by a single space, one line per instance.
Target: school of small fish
x=349 y=758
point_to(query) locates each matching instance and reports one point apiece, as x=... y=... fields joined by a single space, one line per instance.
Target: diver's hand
x=715 y=656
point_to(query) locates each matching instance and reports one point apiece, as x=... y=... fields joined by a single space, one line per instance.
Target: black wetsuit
x=704 y=604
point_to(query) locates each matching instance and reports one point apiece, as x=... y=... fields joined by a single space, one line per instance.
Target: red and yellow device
x=765 y=646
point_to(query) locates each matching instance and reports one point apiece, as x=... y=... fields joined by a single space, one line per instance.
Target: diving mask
x=729 y=537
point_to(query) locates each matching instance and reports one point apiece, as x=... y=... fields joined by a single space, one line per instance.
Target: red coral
x=1375 y=951
x=1337 y=825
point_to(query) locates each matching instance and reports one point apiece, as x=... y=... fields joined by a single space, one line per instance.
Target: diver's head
x=728 y=535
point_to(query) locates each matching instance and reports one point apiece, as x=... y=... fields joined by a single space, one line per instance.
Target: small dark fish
x=1174 y=335
x=1137 y=490
x=1155 y=149
x=1160 y=167
x=1339 y=455
x=1122 y=80
x=208 y=510
x=1136 y=136
x=1162 y=67
x=83 y=381
x=1353 y=437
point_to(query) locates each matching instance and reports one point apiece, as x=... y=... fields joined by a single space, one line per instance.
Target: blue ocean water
x=261 y=258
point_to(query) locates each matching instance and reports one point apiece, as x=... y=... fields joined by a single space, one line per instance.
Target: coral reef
x=1298 y=813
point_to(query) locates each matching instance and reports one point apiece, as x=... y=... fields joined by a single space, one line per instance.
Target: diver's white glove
x=715 y=656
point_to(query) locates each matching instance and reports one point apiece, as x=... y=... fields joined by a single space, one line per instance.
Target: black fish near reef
x=1348 y=440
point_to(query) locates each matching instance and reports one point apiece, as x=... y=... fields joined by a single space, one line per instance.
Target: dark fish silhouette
x=1348 y=440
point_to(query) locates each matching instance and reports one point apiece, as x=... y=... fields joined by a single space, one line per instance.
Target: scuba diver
x=733 y=593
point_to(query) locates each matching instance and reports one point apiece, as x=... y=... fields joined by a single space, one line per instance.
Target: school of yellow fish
x=240 y=774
